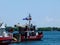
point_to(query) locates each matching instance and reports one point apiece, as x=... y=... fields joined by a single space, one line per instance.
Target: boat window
x=32 y=33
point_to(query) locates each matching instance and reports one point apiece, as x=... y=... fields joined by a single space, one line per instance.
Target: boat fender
x=14 y=39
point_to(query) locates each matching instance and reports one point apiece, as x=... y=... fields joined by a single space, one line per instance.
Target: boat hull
x=37 y=37
x=5 y=40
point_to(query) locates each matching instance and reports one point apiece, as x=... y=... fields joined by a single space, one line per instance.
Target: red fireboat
x=28 y=32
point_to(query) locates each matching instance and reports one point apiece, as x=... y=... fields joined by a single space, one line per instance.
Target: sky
x=45 y=13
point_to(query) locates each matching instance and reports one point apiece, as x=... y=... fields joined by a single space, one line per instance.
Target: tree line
x=48 y=29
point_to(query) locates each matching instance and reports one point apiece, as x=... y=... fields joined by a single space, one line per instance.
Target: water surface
x=49 y=38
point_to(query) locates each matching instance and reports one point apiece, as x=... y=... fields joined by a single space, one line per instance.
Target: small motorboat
x=5 y=37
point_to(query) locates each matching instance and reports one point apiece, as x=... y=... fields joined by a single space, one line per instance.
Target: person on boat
x=34 y=27
x=40 y=33
x=31 y=27
x=26 y=28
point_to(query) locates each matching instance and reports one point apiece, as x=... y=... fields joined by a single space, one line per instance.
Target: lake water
x=49 y=38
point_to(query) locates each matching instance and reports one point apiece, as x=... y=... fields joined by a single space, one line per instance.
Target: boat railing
x=29 y=31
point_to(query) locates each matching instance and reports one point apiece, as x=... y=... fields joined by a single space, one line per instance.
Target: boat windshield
x=3 y=32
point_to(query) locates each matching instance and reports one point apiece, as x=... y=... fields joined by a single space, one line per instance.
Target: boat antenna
x=29 y=20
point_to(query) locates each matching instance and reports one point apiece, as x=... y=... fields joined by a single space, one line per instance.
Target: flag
x=28 y=18
x=25 y=19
